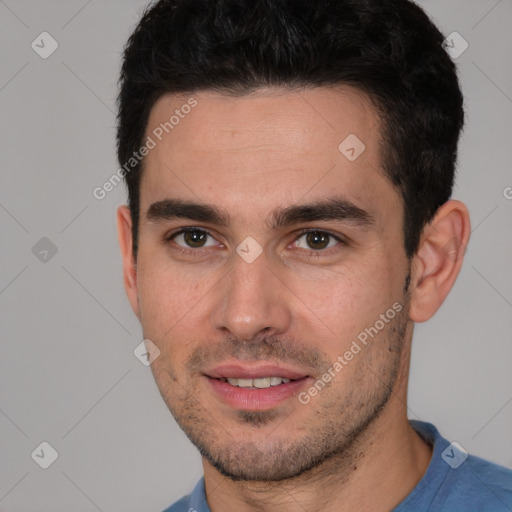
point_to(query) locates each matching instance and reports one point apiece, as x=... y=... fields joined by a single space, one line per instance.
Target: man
x=289 y=167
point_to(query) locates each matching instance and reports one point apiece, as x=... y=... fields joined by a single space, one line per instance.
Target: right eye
x=192 y=238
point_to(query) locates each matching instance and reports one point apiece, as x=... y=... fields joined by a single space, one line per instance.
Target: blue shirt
x=454 y=482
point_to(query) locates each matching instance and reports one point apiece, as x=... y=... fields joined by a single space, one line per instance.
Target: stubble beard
x=329 y=439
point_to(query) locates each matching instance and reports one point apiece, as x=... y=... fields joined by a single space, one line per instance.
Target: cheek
x=347 y=300
x=172 y=298
x=162 y=296
x=168 y=309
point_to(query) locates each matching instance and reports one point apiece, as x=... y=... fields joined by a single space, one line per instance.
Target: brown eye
x=316 y=240
x=193 y=238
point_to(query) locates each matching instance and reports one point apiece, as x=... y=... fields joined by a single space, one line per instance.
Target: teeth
x=261 y=383
x=245 y=383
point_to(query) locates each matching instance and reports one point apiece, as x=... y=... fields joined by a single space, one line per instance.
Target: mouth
x=255 y=388
x=259 y=383
x=255 y=372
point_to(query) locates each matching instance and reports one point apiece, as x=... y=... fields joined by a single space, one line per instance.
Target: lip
x=248 y=399
x=254 y=371
x=255 y=399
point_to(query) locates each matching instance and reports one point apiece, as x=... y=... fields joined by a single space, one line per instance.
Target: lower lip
x=256 y=399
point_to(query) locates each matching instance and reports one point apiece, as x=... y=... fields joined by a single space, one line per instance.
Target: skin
x=294 y=304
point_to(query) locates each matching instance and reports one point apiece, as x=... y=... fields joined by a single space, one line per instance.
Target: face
x=267 y=251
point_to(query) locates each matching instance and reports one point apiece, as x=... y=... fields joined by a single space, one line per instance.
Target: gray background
x=68 y=375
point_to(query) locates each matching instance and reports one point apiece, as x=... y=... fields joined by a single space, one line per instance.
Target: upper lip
x=254 y=371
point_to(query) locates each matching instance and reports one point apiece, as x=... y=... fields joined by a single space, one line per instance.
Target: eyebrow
x=170 y=209
x=334 y=208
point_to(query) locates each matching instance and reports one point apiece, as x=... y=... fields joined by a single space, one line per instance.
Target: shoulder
x=181 y=505
x=480 y=483
x=456 y=481
x=193 y=502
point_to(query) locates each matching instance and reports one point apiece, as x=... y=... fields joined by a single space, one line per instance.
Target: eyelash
x=319 y=253
x=311 y=253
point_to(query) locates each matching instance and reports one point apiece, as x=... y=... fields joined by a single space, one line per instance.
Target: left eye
x=316 y=240
x=193 y=238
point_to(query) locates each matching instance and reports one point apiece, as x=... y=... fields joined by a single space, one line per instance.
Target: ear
x=438 y=260
x=124 y=233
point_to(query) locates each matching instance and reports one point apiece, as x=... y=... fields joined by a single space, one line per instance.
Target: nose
x=252 y=301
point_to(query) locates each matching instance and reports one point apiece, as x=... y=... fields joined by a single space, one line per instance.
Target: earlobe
x=439 y=258
x=124 y=232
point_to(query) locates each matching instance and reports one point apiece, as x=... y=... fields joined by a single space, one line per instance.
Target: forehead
x=274 y=145
x=264 y=118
